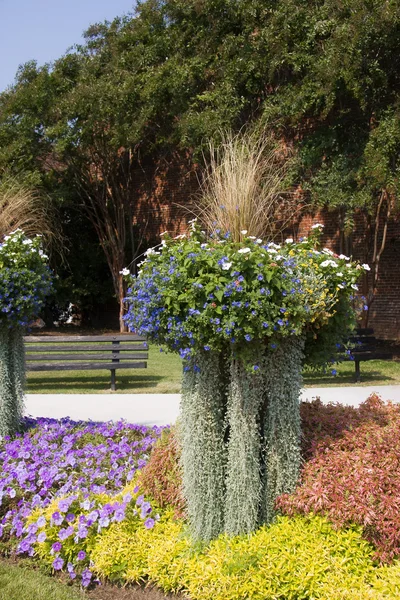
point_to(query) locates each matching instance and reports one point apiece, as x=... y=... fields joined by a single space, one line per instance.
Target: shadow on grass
x=347 y=378
x=62 y=383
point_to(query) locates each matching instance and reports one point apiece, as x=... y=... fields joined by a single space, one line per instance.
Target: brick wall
x=166 y=198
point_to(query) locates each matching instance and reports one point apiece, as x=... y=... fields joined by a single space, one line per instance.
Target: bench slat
x=61 y=348
x=82 y=338
x=86 y=357
x=85 y=366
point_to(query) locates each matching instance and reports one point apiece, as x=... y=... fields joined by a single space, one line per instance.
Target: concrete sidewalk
x=163 y=409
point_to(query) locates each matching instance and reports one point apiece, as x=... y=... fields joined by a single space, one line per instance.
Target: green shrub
x=293 y=559
x=121 y=553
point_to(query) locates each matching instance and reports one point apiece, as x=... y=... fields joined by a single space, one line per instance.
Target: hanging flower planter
x=244 y=316
x=25 y=281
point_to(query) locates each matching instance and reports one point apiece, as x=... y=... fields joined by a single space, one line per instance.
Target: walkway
x=163 y=409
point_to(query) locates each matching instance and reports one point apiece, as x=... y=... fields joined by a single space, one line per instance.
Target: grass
x=164 y=371
x=373 y=372
x=22 y=583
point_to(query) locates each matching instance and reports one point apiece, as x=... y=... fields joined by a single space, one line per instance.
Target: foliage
x=12 y=380
x=324 y=423
x=282 y=427
x=63 y=482
x=123 y=551
x=322 y=75
x=354 y=478
x=244 y=489
x=25 y=279
x=161 y=478
x=293 y=558
x=202 y=436
x=215 y=294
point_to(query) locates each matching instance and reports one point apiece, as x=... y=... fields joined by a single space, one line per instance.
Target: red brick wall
x=166 y=197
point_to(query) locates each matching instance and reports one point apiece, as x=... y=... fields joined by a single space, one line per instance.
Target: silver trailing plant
x=243 y=478
x=203 y=447
x=12 y=377
x=282 y=426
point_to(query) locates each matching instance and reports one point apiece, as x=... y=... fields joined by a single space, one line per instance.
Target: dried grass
x=23 y=208
x=243 y=187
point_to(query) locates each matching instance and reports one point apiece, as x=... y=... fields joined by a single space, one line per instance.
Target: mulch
x=134 y=592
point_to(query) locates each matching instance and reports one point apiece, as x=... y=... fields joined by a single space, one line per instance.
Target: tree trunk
x=121 y=296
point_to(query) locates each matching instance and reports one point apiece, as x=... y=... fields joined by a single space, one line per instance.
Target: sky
x=43 y=30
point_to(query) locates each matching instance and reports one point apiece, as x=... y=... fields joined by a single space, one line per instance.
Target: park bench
x=366 y=347
x=85 y=353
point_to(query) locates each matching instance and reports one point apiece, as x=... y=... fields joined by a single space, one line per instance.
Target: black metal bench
x=366 y=347
x=86 y=353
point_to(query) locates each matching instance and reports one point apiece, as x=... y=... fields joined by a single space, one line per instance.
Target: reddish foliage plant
x=161 y=478
x=353 y=475
x=322 y=423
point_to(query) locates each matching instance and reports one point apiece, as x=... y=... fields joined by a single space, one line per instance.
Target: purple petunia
x=58 y=563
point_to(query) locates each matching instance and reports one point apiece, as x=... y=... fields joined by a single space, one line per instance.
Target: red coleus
x=353 y=475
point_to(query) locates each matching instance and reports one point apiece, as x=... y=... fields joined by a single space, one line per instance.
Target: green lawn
x=164 y=371
x=373 y=372
x=21 y=583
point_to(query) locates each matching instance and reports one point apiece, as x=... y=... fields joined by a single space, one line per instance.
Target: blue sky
x=43 y=29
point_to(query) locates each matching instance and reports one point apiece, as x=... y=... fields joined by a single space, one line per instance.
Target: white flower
x=344 y=257
x=366 y=267
x=226 y=266
x=289 y=241
x=329 y=263
x=125 y=271
x=354 y=286
x=27 y=242
x=258 y=241
x=244 y=250
x=279 y=257
x=340 y=274
x=192 y=221
x=150 y=251
x=251 y=237
x=327 y=251
x=340 y=286
x=272 y=251
x=317 y=226
x=244 y=231
x=180 y=237
x=163 y=233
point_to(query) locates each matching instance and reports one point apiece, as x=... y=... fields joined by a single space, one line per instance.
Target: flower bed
x=63 y=482
x=88 y=499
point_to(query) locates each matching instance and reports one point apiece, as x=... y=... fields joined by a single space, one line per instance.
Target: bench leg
x=358 y=374
x=113 y=380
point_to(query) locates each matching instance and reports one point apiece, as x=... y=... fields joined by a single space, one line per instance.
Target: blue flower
x=207 y=348
x=247 y=337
